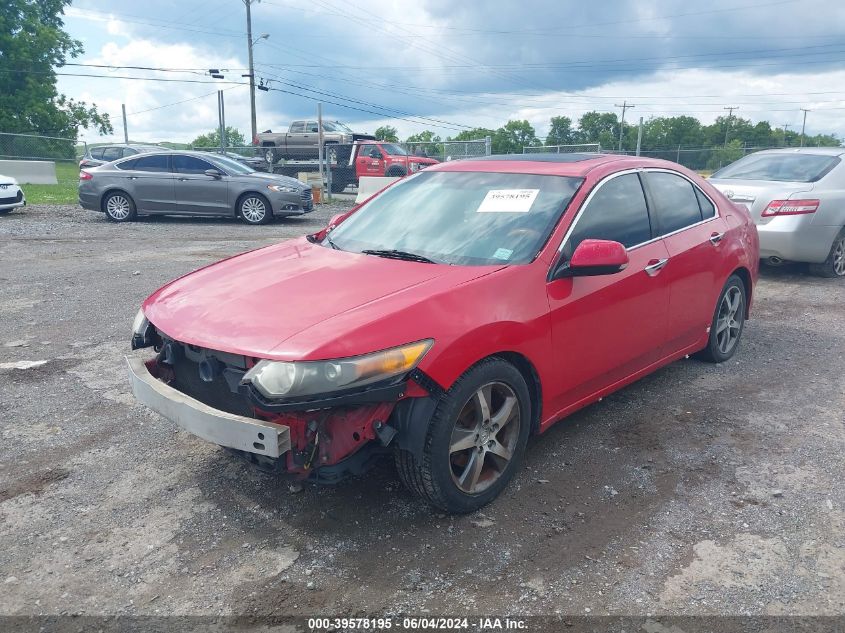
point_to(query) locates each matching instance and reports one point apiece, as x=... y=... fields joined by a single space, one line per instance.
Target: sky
x=448 y=66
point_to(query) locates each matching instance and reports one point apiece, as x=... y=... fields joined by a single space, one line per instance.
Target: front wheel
x=728 y=323
x=475 y=441
x=834 y=265
x=255 y=209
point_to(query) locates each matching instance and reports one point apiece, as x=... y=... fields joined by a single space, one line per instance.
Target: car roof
x=569 y=164
x=821 y=151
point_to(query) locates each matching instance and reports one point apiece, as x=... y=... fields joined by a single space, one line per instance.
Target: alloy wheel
x=253 y=209
x=839 y=257
x=485 y=437
x=118 y=207
x=729 y=322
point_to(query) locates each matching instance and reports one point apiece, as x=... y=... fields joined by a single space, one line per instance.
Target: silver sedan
x=797 y=199
x=190 y=183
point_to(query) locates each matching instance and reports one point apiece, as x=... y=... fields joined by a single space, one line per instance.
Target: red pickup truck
x=367 y=158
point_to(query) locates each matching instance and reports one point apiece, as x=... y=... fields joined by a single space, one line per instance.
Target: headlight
x=142 y=331
x=278 y=379
x=283 y=189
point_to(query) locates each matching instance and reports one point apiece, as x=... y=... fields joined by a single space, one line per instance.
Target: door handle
x=655 y=266
x=183 y=179
x=133 y=177
x=715 y=238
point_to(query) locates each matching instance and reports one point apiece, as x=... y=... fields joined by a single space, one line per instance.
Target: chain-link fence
x=701 y=159
x=38 y=147
x=561 y=149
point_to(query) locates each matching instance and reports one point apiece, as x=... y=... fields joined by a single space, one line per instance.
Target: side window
x=707 y=209
x=127 y=165
x=374 y=152
x=97 y=153
x=153 y=162
x=616 y=212
x=675 y=201
x=312 y=127
x=112 y=153
x=190 y=165
x=128 y=151
x=297 y=127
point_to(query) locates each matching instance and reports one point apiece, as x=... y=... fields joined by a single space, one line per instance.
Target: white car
x=11 y=195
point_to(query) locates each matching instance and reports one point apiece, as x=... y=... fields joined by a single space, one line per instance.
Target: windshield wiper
x=397 y=254
x=332 y=244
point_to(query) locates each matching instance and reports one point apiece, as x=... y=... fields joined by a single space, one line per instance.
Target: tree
x=474 y=134
x=725 y=154
x=426 y=136
x=234 y=138
x=598 y=127
x=513 y=136
x=387 y=133
x=560 y=131
x=32 y=44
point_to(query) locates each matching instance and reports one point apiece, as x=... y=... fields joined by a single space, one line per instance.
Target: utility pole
x=248 y=4
x=125 y=130
x=624 y=105
x=786 y=127
x=730 y=110
x=221 y=117
x=803 y=125
x=639 y=136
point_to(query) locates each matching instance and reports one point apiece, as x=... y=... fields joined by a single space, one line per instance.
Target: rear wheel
x=255 y=209
x=728 y=323
x=475 y=441
x=271 y=157
x=119 y=207
x=834 y=265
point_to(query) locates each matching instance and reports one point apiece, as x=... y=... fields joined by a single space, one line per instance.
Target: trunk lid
x=756 y=195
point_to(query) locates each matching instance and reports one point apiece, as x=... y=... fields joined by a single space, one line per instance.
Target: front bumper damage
x=226 y=429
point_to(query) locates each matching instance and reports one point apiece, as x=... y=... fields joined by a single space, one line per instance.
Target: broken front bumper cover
x=222 y=428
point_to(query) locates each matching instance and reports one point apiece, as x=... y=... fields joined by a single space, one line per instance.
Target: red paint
x=584 y=336
x=595 y=253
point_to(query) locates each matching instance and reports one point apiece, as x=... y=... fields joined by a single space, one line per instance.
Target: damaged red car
x=449 y=317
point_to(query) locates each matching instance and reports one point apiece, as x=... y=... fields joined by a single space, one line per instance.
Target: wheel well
x=109 y=192
x=396 y=169
x=526 y=368
x=745 y=275
x=251 y=193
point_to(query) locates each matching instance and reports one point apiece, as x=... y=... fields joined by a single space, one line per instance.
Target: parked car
x=107 y=153
x=449 y=317
x=301 y=141
x=11 y=194
x=797 y=199
x=190 y=183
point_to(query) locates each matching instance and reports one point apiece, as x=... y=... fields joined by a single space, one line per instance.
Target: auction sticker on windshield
x=508 y=201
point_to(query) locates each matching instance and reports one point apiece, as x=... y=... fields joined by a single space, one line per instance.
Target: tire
x=730 y=317
x=5 y=211
x=253 y=208
x=458 y=434
x=120 y=207
x=271 y=156
x=396 y=170
x=834 y=266
x=339 y=186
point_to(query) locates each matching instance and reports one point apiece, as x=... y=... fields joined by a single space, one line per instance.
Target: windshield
x=782 y=167
x=232 y=166
x=465 y=218
x=394 y=150
x=335 y=126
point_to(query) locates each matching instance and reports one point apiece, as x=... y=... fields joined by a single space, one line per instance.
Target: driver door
x=605 y=328
x=370 y=162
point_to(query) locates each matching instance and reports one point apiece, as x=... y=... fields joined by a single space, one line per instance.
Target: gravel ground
x=699 y=490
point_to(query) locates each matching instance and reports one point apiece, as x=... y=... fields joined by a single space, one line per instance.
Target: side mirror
x=594 y=257
x=214 y=173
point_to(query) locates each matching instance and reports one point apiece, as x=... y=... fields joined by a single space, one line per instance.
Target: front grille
x=307 y=199
x=12 y=199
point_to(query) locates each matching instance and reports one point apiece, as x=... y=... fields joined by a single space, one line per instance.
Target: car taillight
x=790 y=207
x=84 y=175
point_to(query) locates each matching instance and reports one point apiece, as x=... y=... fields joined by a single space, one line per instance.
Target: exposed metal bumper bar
x=219 y=427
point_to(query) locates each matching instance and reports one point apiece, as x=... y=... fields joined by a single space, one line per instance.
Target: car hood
x=285 y=301
x=275 y=179
x=7 y=180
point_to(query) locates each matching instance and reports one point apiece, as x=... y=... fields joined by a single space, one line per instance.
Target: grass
x=65 y=192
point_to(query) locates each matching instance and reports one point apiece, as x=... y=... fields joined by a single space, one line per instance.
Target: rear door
x=150 y=183
x=196 y=192
x=694 y=233
x=607 y=327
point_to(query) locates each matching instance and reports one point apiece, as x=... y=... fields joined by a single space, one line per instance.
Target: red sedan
x=449 y=317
